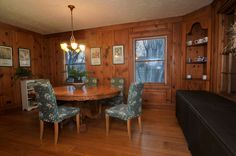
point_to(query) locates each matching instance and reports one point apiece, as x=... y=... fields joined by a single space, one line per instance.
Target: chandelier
x=73 y=46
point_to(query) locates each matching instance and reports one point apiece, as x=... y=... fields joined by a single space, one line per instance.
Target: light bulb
x=67 y=50
x=74 y=45
x=77 y=50
x=63 y=46
x=82 y=47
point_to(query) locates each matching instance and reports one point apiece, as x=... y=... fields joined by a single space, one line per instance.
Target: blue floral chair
x=127 y=112
x=118 y=83
x=48 y=109
x=91 y=82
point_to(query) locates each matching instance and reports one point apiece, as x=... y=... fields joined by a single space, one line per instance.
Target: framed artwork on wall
x=118 y=54
x=24 y=57
x=95 y=56
x=6 y=56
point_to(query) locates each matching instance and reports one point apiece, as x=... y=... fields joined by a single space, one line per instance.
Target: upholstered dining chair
x=133 y=109
x=48 y=109
x=91 y=82
x=118 y=83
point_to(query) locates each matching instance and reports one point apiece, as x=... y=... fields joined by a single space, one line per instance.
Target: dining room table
x=86 y=95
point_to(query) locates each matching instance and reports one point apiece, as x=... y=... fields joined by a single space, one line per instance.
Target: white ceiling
x=53 y=16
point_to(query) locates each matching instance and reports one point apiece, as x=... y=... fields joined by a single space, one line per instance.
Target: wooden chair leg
x=41 y=129
x=100 y=109
x=129 y=128
x=78 y=123
x=55 y=132
x=140 y=123
x=107 y=124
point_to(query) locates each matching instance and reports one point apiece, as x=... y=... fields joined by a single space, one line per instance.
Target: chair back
x=46 y=99
x=119 y=83
x=91 y=82
x=135 y=98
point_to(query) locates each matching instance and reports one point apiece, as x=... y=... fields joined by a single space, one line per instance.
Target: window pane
x=75 y=61
x=73 y=58
x=78 y=67
x=150 y=49
x=152 y=71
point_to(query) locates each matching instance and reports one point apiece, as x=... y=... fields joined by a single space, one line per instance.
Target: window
x=75 y=61
x=150 y=54
x=228 y=71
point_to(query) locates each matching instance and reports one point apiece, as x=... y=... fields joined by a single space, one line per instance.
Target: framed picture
x=118 y=54
x=6 y=56
x=95 y=56
x=24 y=57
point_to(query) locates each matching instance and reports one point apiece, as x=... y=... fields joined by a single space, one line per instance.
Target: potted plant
x=22 y=73
x=76 y=75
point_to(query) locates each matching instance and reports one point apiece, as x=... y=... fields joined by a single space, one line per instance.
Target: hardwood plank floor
x=162 y=136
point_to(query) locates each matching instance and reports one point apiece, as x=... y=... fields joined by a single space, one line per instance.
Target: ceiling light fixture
x=73 y=46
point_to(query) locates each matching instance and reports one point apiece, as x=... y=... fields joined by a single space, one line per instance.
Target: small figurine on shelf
x=189 y=60
x=189 y=43
x=189 y=77
x=204 y=77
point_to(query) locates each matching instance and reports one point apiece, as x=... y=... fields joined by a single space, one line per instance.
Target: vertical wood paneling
x=10 y=96
x=106 y=37
x=121 y=37
x=47 y=59
x=176 y=59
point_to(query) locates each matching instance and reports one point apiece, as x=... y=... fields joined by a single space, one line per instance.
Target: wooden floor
x=162 y=136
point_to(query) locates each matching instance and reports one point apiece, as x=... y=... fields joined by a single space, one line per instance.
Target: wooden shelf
x=228 y=73
x=200 y=44
x=196 y=56
x=196 y=62
x=196 y=79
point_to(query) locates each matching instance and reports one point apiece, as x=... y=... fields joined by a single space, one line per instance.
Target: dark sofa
x=208 y=122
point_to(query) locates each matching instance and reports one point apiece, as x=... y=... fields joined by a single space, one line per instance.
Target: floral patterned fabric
x=133 y=107
x=91 y=82
x=48 y=109
x=118 y=83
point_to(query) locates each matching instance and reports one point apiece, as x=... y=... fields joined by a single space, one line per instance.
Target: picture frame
x=95 y=55
x=24 y=57
x=6 y=58
x=118 y=54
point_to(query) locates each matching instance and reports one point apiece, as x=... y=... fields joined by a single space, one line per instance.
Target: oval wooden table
x=69 y=93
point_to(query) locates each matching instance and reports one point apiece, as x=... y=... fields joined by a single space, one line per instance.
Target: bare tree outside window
x=75 y=61
x=150 y=59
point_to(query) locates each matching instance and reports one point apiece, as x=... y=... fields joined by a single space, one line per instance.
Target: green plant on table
x=76 y=74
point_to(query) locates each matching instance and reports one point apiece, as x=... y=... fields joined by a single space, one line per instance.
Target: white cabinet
x=28 y=95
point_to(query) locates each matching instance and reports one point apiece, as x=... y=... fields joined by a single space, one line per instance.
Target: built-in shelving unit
x=196 y=65
x=28 y=95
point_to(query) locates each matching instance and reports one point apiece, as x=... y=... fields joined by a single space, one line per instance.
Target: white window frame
x=165 y=56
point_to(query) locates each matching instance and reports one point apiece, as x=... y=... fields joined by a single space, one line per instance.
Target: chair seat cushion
x=121 y=112
x=67 y=112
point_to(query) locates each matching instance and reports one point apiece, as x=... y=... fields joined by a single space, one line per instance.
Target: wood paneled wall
x=48 y=59
x=154 y=95
x=203 y=17
x=10 y=96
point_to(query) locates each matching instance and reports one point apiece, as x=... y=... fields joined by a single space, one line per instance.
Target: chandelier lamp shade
x=72 y=46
